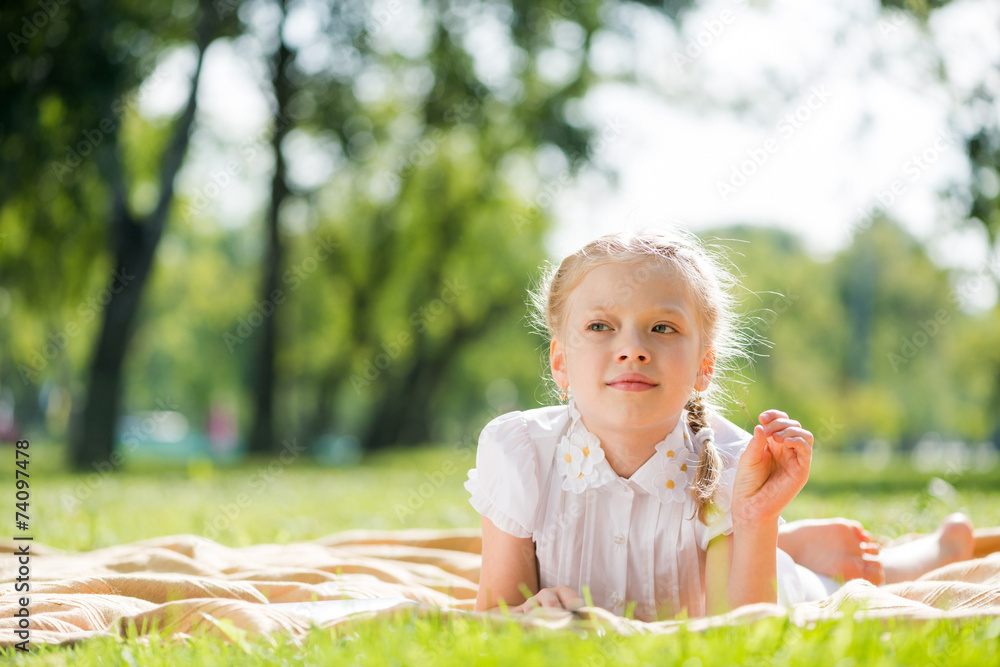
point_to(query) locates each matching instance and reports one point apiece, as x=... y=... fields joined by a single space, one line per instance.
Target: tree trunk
x=262 y=440
x=93 y=441
x=404 y=413
x=96 y=436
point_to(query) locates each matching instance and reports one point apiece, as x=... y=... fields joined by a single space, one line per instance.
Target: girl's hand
x=561 y=597
x=773 y=468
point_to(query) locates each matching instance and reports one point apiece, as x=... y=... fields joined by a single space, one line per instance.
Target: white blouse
x=541 y=474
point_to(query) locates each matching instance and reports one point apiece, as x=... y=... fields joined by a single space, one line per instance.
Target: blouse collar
x=666 y=475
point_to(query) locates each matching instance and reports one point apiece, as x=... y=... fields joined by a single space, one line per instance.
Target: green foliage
x=866 y=345
x=439 y=177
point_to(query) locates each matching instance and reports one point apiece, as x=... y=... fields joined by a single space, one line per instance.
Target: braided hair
x=707 y=478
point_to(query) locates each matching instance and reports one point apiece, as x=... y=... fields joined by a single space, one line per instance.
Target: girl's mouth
x=632 y=382
x=631 y=386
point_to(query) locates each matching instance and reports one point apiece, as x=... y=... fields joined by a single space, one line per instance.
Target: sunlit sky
x=840 y=105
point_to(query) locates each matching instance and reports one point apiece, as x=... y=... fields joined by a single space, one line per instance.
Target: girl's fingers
x=569 y=598
x=769 y=416
x=776 y=425
x=539 y=599
x=755 y=450
x=548 y=598
x=528 y=605
x=792 y=434
x=789 y=443
x=562 y=597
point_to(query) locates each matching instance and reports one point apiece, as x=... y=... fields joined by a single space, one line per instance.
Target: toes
x=850 y=567
x=859 y=531
x=873 y=572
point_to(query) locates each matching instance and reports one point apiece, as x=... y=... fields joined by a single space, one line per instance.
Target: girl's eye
x=666 y=328
x=591 y=326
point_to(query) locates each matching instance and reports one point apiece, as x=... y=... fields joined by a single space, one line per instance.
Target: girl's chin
x=624 y=405
x=631 y=406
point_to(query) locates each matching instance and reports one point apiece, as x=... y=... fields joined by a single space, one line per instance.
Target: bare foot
x=953 y=541
x=838 y=548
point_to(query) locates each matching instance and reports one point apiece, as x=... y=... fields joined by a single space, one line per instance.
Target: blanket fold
x=186 y=585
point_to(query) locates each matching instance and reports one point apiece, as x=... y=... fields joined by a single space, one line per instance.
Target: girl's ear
x=706 y=371
x=557 y=363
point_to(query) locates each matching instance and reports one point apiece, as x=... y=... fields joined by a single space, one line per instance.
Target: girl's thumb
x=755 y=450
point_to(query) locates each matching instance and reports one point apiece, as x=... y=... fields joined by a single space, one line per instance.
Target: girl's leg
x=987 y=541
x=843 y=549
x=953 y=541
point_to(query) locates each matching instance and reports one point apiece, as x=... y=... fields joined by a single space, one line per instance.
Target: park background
x=264 y=265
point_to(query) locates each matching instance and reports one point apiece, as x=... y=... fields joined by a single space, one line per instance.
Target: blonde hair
x=711 y=287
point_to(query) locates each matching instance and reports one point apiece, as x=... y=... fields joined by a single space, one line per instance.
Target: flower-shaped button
x=577 y=455
x=672 y=481
x=672 y=452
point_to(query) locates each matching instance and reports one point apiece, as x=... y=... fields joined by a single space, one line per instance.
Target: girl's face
x=631 y=348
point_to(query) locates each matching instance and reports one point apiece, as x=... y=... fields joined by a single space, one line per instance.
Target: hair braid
x=706 y=479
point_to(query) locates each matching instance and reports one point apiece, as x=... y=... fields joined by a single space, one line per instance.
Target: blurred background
x=307 y=227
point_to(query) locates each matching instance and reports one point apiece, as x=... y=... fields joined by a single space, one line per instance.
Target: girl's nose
x=633 y=347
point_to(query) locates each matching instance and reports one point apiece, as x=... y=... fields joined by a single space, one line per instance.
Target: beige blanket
x=187 y=585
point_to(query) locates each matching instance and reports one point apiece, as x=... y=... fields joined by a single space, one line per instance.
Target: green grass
x=411 y=640
x=266 y=501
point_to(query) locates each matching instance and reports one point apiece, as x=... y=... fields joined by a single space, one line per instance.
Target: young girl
x=635 y=489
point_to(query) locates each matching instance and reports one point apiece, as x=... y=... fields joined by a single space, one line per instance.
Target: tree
x=105 y=57
x=262 y=430
x=404 y=206
x=135 y=240
x=873 y=343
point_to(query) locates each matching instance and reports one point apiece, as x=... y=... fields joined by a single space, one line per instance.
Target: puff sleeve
x=504 y=485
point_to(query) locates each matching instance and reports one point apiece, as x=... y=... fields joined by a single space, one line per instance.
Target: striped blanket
x=186 y=585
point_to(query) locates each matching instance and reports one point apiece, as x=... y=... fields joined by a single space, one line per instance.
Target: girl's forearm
x=754 y=572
